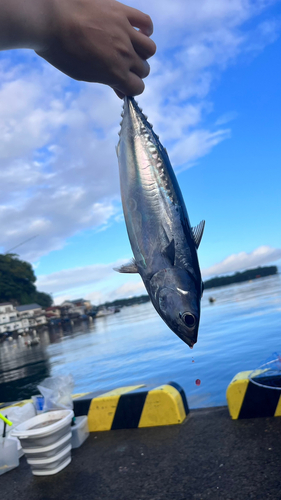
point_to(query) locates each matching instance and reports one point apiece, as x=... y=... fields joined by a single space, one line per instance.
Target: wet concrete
x=210 y=456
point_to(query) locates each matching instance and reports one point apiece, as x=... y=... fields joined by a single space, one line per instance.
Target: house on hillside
x=9 y=320
x=33 y=312
x=82 y=303
x=76 y=307
x=53 y=312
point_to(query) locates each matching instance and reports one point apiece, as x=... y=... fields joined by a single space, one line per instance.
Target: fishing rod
x=22 y=243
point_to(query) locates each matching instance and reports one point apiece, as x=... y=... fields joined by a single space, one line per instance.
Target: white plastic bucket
x=51 y=465
x=47 y=448
x=48 y=451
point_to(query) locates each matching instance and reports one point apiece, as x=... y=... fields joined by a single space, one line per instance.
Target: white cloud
x=58 y=175
x=197 y=16
x=98 y=283
x=69 y=279
x=226 y=118
x=59 y=172
x=129 y=289
x=196 y=145
x=242 y=260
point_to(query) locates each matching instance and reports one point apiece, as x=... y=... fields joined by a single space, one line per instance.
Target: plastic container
x=45 y=440
x=9 y=456
x=38 y=402
x=20 y=450
x=80 y=431
x=17 y=415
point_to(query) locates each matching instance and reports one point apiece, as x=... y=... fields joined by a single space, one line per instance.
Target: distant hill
x=250 y=274
x=127 y=302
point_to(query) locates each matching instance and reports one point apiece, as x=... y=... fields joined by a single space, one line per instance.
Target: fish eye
x=188 y=319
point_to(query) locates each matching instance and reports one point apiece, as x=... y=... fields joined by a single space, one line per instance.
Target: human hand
x=96 y=41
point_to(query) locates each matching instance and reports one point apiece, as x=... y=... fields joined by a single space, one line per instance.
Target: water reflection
x=24 y=366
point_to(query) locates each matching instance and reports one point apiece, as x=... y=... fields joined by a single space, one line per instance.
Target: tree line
x=250 y=274
x=17 y=283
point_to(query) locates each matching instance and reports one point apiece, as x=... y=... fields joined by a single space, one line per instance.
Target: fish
x=163 y=242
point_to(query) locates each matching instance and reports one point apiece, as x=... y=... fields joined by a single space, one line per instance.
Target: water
x=238 y=332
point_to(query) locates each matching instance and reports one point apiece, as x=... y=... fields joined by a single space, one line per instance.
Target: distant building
x=20 y=318
x=78 y=306
x=6 y=307
x=53 y=312
x=9 y=320
x=33 y=312
x=82 y=303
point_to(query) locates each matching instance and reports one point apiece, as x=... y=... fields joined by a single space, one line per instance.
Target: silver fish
x=163 y=242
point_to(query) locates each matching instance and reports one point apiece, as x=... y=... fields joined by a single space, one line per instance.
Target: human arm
x=24 y=24
x=90 y=40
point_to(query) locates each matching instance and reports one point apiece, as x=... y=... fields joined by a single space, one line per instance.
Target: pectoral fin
x=130 y=267
x=197 y=233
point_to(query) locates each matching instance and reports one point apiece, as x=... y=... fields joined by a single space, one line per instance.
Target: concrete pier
x=209 y=456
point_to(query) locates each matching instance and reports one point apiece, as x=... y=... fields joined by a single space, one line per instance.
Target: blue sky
x=214 y=98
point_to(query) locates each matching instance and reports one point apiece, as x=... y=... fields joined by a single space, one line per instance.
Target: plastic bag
x=57 y=392
x=268 y=374
x=17 y=415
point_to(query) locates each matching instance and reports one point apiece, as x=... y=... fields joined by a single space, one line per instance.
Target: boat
x=105 y=311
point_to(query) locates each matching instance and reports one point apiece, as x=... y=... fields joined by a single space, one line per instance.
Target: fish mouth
x=189 y=341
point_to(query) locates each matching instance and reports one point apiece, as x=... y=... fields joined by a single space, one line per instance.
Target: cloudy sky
x=214 y=98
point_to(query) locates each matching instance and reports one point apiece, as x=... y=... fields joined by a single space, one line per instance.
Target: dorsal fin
x=130 y=267
x=197 y=233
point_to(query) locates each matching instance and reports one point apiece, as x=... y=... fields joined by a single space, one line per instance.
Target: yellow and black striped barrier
x=246 y=399
x=129 y=407
x=5 y=406
x=134 y=406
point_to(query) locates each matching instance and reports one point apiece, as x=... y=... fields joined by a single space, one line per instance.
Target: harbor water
x=239 y=331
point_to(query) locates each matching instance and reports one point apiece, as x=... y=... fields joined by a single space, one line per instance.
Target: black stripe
x=272 y=381
x=183 y=396
x=128 y=411
x=81 y=406
x=259 y=402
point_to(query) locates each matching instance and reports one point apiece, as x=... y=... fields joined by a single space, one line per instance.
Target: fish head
x=176 y=296
x=133 y=126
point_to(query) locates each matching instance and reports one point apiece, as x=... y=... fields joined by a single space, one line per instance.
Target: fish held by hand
x=163 y=242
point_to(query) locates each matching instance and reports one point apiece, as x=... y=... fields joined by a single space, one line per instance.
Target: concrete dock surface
x=209 y=456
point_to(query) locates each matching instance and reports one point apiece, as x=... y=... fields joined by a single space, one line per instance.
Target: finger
x=119 y=94
x=143 y=45
x=140 y=20
x=140 y=67
x=133 y=85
